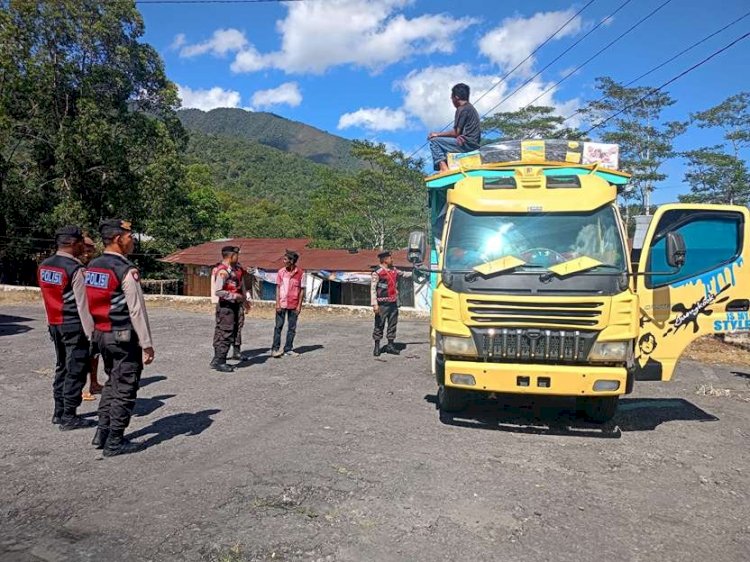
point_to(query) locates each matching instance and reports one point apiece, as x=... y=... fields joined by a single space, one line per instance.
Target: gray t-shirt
x=467 y=124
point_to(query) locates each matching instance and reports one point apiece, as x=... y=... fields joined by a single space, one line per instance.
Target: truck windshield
x=539 y=240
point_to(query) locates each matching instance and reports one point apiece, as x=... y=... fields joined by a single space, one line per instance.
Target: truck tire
x=451 y=399
x=600 y=409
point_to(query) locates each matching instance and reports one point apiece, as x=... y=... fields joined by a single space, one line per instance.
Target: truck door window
x=711 y=240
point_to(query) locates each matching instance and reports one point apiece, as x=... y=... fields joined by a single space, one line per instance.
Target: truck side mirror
x=676 y=251
x=417 y=247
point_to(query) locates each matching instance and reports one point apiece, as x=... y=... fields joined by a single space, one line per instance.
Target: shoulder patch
x=136 y=276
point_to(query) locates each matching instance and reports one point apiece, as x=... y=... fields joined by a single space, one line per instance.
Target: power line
x=511 y=71
x=532 y=53
x=670 y=81
x=599 y=52
x=666 y=62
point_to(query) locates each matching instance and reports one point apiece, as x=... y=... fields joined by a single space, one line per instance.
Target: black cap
x=70 y=231
x=112 y=227
x=230 y=249
x=292 y=255
x=383 y=255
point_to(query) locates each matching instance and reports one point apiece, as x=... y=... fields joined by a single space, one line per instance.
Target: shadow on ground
x=307 y=348
x=12 y=325
x=151 y=380
x=175 y=425
x=558 y=415
x=146 y=406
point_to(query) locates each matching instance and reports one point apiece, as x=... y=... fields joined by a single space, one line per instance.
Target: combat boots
x=220 y=364
x=376 y=351
x=118 y=445
x=75 y=422
x=391 y=348
x=236 y=353
x=100 y=437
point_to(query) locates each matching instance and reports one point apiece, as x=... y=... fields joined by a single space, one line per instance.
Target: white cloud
x=427 y=94
x=208 y=99
x=222 y=41
x=374 y=119
x=368 y=33
x=249 y=60
x=178 y=42
x=516 y=38
x=286 y=94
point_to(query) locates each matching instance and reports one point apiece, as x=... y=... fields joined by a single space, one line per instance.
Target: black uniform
x=229 y=304
x=56 y=276
x=118 y=340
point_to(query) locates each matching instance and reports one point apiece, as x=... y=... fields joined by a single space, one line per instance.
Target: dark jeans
x=123 y=362
x=291 y=315
x=388 y=314
x=72 y=366
x=227 y=320
x=441 y=146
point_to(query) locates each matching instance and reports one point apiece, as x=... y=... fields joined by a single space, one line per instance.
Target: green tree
x=716 y=177
x=646 y=141
x=87 y=123
x=719 y=174
x=532 y=122
x=384 y=201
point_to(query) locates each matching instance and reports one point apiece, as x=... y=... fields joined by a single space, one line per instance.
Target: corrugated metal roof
x=267 y=253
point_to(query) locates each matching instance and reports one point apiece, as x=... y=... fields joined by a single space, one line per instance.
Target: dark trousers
x=72 y=366
x=388 y=314
x=291 y=330
x=227 y=320
x=240 y=324
x=123 y=363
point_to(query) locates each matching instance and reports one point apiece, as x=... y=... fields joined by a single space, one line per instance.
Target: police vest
x=107 y=303
x=55 y=278
x=233 y=280
x=386 y=289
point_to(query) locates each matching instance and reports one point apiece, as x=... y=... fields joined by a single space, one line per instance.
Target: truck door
x=707 y=295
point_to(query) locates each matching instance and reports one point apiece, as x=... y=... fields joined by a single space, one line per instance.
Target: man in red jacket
x=384 y=299
x=290 y=293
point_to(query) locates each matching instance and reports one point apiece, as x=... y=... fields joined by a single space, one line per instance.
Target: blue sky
x=382 y=69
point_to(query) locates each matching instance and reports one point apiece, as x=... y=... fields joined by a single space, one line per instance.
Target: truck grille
x=534 y=345
x=513 y=313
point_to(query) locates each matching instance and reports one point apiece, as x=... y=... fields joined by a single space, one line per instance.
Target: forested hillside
x=272 y=130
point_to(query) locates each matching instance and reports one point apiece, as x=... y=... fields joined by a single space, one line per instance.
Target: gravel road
x=335 y=455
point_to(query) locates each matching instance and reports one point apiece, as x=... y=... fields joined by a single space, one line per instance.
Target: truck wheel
x=599 y=409
x=451 y=399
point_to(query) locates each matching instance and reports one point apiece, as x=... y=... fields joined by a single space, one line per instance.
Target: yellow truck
x=535 y=289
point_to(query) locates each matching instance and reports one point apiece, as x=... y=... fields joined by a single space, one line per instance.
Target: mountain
x=249 y=170
x=274 y=131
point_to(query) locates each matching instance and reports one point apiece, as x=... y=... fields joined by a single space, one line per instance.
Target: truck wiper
x=576 y=265
x=495 y=266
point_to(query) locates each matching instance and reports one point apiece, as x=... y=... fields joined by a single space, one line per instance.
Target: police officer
x=227 y=293
x=61 y=280
x=384 y=299
x=122 y=333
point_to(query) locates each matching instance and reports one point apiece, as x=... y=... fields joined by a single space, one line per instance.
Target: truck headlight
x=609 y=351
x=455 y=345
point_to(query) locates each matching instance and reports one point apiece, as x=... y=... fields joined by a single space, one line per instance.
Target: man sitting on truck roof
x=465 y=135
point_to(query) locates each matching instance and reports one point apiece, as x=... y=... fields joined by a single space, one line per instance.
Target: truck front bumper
x=558 y=380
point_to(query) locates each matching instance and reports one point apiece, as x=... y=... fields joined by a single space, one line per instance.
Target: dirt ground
x=335 y=455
